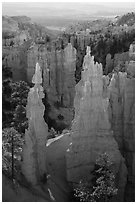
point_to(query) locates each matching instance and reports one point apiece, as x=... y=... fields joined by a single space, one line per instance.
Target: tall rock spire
x=34 y=156
x=37 y=77
x=91 y=129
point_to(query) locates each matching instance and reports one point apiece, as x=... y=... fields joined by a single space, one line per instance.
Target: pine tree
x=101 y=188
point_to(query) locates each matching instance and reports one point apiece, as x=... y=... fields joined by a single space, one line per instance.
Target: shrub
x=52 y=133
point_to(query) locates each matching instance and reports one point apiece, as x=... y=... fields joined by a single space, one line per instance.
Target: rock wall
x=91 y=129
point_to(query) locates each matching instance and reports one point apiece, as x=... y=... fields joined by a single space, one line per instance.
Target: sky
x=65 y=9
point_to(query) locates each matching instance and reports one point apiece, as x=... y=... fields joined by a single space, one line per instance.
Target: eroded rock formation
x=91 y=129
x=122 y=103
x=58 y=68
x=34 y=157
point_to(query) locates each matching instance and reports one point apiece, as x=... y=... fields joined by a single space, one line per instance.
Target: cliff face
x=58 y=68
x=91 y=129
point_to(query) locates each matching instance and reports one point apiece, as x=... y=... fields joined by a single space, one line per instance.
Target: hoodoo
x=34 y=154
x=91 y=129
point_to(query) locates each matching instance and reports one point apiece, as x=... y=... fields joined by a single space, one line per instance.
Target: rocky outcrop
x=91 y=129
x=34 y=158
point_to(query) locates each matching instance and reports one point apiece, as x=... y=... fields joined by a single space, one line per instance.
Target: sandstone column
x=34 y=161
